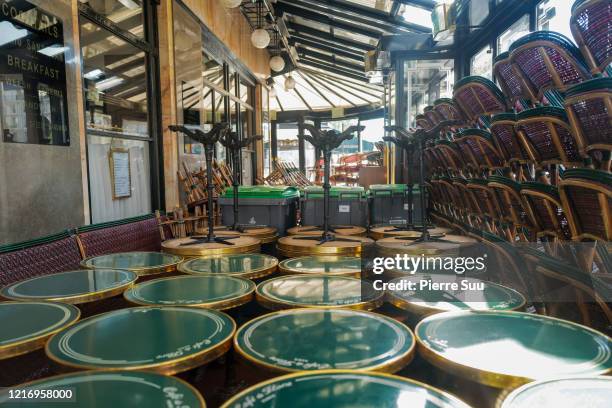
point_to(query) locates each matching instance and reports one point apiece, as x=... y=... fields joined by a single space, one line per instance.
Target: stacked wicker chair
x=590 y=25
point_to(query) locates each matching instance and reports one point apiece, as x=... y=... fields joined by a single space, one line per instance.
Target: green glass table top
x=343 y=389
x=143 y=263
x=316 y=339
x=503 y=349
x=591 y=392
x=248 y=266
x=209 y=291
x=27 y=325
x=161 y=339
x=471 y=294
x=110 y=389
x=329 y=265
x=318 y=290
x=72 y=287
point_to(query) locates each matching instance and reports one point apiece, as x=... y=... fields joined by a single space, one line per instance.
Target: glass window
x=115 y=86
x=516 y=31
x=482 y=63
x=424 y=82
x=417 y=15
x=373 y=132
x=126 y=14
x=287 y=140
x=554 y=15
x=479 y=11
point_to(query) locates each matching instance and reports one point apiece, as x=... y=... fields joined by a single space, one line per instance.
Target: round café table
x=193 y=247
x=24 y=329
x=26 y=326
x=75 y=287
x=118 y=389
x=591 y=392
x=427 y=301
x=386 y=231
x=220 y=292
x=343 y=388
x=293 y=246
x=317 y=339
x=247 y=266
x=508 y=349
x=166 y=340
x=323 y=291
x=351 y=230
x=141 y=262
x=328 y=265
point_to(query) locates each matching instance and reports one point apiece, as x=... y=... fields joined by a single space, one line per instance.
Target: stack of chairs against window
x=530 y=161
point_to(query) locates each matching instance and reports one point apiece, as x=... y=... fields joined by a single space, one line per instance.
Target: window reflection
x=426 y=81
x=554 y=15
x=482 y=63
x=516 y=31
x=126 y=14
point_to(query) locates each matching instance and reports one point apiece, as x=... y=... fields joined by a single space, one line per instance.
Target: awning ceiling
x=326 y=41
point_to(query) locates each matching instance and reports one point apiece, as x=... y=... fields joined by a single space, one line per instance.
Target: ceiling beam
x=424 y=4
x=326 y=19
x=322 y=84
x=335 y=70
x=378 y=20
x=330 y=58
x=319 y=80
x=299 y=95
x=327 y=48
x=302 y=29
x=368 y=89
x=305 y=76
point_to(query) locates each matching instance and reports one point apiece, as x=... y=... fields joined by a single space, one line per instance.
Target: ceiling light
x=289 y=83
x=260 y=38
x=277 y=63
x=272 y=92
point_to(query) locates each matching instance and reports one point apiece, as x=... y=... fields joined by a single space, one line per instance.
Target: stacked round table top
x=166 y=340
x=247 y=266
x=351 y=230
x=192 y=247
x=119 y=389
x=397 y=245
x=508 y=349
x=140 y=262
x=318 y=291
x=461 y=240
x=328 y=265
x=317 y=339
x=343 y=388
x=293 y=246
x=74 y=287
x=471 y=294
x=387 y=231
x=208 y=291
x=591 y=392
x=265 y=234
x=26 y=326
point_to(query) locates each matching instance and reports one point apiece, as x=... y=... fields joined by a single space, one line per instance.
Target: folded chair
x=589 y=109
x=512 y=83
x=548 y=61
x=590 y=24
x=479 y=98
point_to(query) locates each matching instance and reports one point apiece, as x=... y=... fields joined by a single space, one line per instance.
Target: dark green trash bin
x=273 y=206
x=348 y=206
x=389 y=204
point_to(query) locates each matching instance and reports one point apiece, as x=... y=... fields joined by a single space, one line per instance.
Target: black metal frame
x=149 y=45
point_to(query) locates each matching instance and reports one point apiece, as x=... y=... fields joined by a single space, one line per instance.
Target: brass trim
x=252 y=274
x=277 y=304
x=193 y=251
x=230 y=403
x=195 y=391
x=141 y=271
x=35 y=343
x=283 y=269
x=220 y=305
x=168 y=367
x=422 y=310
x=74 y=299
x=489 y=378
x=393 y=365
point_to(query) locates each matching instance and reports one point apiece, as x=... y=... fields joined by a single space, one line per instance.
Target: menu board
x=33 y=104
x=121 y=177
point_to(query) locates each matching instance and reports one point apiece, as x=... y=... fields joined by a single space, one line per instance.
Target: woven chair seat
x=512 y=83
x=548 y=60
x=423 y=122
x=545 y=209
x=548 y=135
x=587 y=107
x=590 y=23
x=447 y=108
x=434 y=117
x=478 y=96
x=482 y=147
x=506 y=139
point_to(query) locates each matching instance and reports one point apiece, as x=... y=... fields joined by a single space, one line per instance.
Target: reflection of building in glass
x=14 y=121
